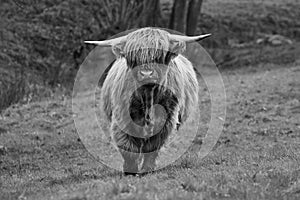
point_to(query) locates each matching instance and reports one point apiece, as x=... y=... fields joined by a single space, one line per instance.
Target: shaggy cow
x=149 y=90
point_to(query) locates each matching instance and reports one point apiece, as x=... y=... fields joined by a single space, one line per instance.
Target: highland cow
x=147 y=93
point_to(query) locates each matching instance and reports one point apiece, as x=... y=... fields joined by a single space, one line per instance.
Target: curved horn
x=108 y=43
x=188 y=39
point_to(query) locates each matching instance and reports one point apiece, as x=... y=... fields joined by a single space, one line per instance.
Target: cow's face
x=148 y=53
x=153 y=71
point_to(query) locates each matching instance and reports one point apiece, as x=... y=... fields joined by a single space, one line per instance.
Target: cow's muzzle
x=147 y=74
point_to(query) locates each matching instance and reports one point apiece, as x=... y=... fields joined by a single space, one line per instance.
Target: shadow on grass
x=82 y=176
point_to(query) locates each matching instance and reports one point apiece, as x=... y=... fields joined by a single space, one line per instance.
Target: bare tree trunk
x=193 y=16
x=152 y=14
x=184 y=16
x=179 y=16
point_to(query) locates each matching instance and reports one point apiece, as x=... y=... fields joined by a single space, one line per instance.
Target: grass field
x=256 y=157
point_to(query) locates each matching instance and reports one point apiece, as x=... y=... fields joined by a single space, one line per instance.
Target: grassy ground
x=257 y=156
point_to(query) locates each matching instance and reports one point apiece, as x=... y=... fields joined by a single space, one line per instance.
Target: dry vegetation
x=257 y=156
x=45 y=39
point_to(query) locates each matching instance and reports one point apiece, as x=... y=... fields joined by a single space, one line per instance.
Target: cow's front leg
x=131 y=161
x=149 y=162
x=129 y=148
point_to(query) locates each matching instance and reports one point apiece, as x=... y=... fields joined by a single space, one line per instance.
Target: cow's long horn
x=108 y=43
x=188 y=39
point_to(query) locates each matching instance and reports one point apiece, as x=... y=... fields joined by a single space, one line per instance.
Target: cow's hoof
x=146 y=171
x=131 y=174
x=148 y=168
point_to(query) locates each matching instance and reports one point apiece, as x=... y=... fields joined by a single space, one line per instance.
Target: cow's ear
x=117 y=49
x=177 y=47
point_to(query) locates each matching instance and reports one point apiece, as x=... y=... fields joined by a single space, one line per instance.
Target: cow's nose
x=146 y=73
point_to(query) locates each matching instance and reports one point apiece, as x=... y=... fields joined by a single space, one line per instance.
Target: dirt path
x=257 y=156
